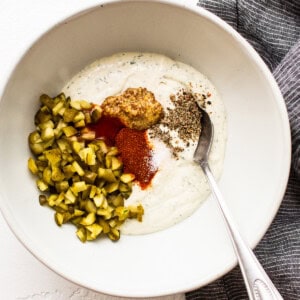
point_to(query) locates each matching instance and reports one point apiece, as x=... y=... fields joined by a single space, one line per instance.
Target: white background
x=21 y=275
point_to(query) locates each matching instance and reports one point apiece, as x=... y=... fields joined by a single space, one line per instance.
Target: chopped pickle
x=42 y=199
x=47 y=134
x=81 y=233
x=88 y=136
x=32 y=166
x=43 y=186
x=107 y=174
x=96 y=114
x=126 y=178
x=57 y=108
x=47 y=101
x=78 y=117
x=85 y=105
x=80 y=123
x=93 y=231
x=89 y=219
x=69 y=131
x=90 y=207
x=78 y=168
x=105 y=226
x=111 y=187
x=70 y=197
x=117 y=200
x=114 y=234
x=37 y=148
x=34 y=138
x=63 y=145
x=116 y=163
x=99 y=200
x=62 y=186
x=57 y=175
x=89 y=177
x=53 y=156
x=47 y=176
x=69 y=114
x=82 y=176
x=122 y=213
x=78 y=187
x=59 y=218
x=77 y=146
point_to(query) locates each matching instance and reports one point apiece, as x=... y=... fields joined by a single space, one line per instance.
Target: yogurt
x=179 y=186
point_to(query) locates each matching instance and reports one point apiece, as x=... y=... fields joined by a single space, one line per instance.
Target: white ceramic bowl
x=196 y=251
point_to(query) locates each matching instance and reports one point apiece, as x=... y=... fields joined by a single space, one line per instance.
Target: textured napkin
x=273 y=28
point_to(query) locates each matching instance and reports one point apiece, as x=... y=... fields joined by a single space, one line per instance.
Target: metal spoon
x=258 y=284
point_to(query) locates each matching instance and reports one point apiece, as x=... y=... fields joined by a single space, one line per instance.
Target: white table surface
x=22 y=276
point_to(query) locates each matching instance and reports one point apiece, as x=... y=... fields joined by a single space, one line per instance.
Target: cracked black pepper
x=184 y=118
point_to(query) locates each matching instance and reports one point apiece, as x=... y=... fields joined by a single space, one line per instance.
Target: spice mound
x=137 y=156
x=184 y=119
x=137 y=108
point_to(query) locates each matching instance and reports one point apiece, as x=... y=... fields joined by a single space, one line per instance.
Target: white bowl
x=198 y=250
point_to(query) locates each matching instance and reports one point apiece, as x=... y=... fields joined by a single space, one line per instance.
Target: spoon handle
x=258 y=284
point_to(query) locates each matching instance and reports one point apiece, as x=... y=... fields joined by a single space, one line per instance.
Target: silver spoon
x=258 y=284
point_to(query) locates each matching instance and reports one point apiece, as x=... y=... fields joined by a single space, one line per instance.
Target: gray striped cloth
x=273 y=29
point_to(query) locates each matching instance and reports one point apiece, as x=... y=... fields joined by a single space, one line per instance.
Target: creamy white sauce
x=179 y=186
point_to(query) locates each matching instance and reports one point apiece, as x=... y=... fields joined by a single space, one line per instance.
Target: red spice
x=136 y=154
x=135 y=150
x=107 y=128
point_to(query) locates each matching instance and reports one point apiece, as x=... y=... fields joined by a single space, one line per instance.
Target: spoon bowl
x=206 y=137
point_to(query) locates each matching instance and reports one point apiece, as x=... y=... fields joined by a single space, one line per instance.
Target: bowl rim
x=260 y=64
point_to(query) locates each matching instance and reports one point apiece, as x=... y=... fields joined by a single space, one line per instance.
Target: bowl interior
x=197 y=250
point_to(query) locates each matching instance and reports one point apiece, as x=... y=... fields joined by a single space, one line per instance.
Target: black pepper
x=184 y=118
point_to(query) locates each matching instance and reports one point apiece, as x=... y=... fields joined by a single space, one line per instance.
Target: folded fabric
x=273 y=29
